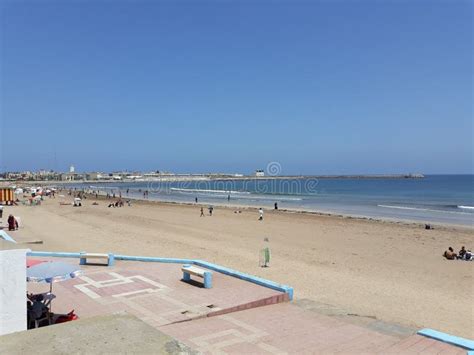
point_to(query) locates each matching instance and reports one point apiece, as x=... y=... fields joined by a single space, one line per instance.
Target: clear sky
x=228 y=86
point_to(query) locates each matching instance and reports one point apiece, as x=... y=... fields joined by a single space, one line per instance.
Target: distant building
x=93 y=176
x=72 y=177
x=259 y=173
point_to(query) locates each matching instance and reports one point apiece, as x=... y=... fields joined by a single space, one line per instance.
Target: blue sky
x=318 y=86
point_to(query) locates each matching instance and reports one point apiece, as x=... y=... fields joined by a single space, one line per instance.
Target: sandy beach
x=391 y=271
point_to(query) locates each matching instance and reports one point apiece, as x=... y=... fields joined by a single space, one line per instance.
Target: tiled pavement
x=153 y=292
x=286 y=328
x=233 y=317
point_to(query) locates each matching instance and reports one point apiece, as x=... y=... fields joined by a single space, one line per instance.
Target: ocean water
x=436 y=198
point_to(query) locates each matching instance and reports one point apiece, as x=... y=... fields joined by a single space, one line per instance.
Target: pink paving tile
x=256 y=319
x=244 y=348
x=421 y=345
x=437 y=347
x=228 y=292
x=99 y=276
x=405 y=343
x=416 y=344
x=452 y=351
x=293 y=331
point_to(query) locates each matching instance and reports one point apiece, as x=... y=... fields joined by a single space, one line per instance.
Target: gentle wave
x=421 y=209
x=104 y=187
x=466 y=207
x=210 y=191
x=241 y=194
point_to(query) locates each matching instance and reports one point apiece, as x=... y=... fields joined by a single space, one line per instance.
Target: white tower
x=71 y=169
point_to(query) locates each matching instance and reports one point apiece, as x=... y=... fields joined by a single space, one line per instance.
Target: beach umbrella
x=51 y=272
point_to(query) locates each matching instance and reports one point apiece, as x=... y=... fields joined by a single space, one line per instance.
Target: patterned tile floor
x=233 y=317
x=286 y=328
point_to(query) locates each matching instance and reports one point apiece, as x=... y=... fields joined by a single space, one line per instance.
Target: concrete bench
x=189 y=270
x=109 y=257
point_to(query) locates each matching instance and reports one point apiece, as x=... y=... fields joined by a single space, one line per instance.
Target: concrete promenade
x=234 y=316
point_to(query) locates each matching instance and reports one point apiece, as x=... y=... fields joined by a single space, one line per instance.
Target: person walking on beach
x=260 y=212
x=196 y=201
x=202 y=212
x=276 y=205
x=210 y=210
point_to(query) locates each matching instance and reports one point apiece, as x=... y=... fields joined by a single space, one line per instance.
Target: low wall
x=12 y=290
x=223 y=270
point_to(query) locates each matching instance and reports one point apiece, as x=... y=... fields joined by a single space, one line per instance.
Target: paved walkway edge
x=223 y=270
x=446 y=338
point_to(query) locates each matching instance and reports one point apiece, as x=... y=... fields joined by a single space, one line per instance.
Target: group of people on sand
x=210 y=209
x=119 y=203
x=462 y=255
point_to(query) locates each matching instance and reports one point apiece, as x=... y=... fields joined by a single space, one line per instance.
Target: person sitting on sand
x=462 y=253
x=12 y=223
x=450 y=254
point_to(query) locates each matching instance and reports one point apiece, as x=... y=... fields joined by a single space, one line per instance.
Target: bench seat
x=84 y=256
x=189 y=270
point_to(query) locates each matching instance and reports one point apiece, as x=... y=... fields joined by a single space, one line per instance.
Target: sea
x=446 y=199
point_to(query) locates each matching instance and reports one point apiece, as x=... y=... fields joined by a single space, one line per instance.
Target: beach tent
x=7 y=196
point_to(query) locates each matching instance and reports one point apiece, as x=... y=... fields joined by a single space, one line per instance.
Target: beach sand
x=392 y=271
